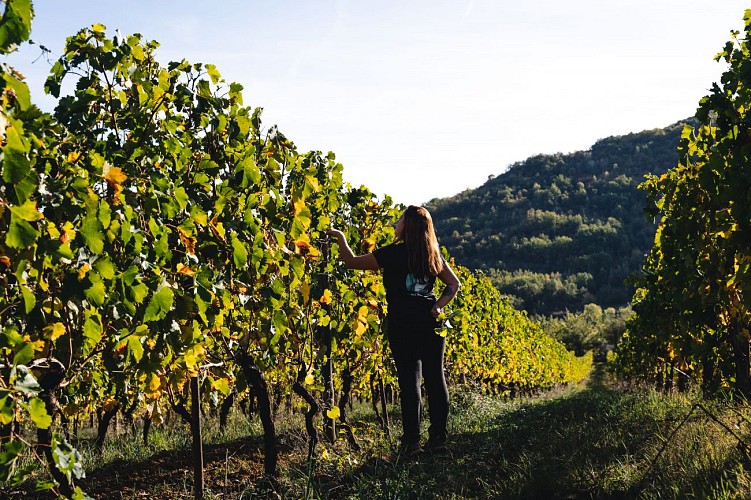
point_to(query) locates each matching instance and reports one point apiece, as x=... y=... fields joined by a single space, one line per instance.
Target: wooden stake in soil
x=327 y=370
x=195 y=408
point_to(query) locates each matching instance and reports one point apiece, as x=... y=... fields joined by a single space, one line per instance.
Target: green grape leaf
x=68 y=460
x=135 y=347
x=38 y=414
x=251 y=173
x=21 y=234
x=221 y=385
x=16 y=163
x=24 y=353
x=7 y=405
x=239 y=253
x=182 y=197
x=23 y=96
x=92 y=330
x=26 y=186
x=213 y=73
x=140 y=292
x=105 y=214
x=29 y=299
x=9 y=337
x=15 y=26
x=105 y=268
x=159 y=305
x=63 y=251
x=96 y=293
x=161 y=247
x=279 y=320
x=92 y=233
x=8 y=463
x=28 y=211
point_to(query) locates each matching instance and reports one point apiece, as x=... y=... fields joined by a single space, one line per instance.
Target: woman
x=410 y=267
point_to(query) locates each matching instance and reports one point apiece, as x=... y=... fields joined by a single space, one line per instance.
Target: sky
x=421 y=99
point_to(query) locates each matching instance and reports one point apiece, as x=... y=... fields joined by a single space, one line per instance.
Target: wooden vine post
x=327 y=370
x=195 y=424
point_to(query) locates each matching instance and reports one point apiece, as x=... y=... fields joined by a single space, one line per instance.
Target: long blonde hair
x=423 y=253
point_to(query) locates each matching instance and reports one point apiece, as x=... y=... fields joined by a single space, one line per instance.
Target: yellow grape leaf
x=368 y=245
x=309 y=379
x=109 y=403
x=298 y=206
x=304 y=248
x=360 y=325
x=183 y=269
x=155 y=412
x=55 y=330
x=333 y=413
x=313 y=182
x=83 y=270
x=73 y=156
x=221 y=385
x=360 y=328
x=52 y=231
x=199 y=350
x=153 y=382
x=326 y=297
x=362 y=313
x=113 y=175
x=191 y=363
x=115 y=178
x=217 y=229
x=198 y=216
x=305 y=290
x=69 y=232
x=190 y=244
x=302 y=244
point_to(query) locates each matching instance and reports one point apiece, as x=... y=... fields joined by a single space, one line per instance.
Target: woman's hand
x=334 y=232
x=436 y=311
x=365 y=262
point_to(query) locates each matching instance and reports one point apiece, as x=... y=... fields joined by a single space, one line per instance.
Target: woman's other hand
x=436 y=311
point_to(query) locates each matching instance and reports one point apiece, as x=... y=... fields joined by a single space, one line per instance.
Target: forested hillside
x=560 y=231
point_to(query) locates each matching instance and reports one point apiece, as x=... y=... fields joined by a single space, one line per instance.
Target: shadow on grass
x=230 y=469
x=595 y=442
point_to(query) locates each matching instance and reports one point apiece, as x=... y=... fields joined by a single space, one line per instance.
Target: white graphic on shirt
x=417 y=286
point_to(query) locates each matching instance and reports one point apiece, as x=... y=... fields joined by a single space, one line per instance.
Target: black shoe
x=410 y=450
x=436 y=446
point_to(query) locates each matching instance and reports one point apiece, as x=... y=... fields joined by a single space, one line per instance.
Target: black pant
x=418 y=353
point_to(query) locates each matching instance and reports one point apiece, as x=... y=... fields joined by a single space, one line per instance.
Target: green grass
x=593 y=441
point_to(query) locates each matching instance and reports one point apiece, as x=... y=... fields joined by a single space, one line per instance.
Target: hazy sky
x=423 y=99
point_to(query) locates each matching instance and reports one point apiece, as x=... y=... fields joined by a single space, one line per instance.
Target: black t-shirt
x=408 y=297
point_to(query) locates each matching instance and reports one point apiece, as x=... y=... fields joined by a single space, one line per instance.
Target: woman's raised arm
x=365 y=262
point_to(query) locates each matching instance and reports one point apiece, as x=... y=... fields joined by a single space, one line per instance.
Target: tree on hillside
x=559 y=231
